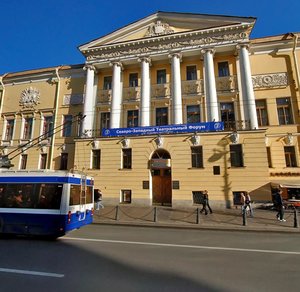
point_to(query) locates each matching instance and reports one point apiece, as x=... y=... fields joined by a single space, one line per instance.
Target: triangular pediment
x=164 y=23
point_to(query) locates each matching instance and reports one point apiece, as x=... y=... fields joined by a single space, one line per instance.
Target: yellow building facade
x=163 y=109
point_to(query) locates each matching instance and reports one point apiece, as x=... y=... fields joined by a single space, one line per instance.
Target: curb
x=202 y=227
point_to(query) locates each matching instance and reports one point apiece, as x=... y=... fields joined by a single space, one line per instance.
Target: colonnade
x=211 y=98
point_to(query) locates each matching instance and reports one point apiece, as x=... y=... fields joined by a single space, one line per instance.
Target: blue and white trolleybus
x=47 y=203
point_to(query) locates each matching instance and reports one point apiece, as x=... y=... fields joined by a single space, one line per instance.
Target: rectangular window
x=161 y=116
x=223 y=69
x=79 y=196
x=104 y=121
x=48 y=127
x=193 y=114
x=127 y=158
x=261 y=110
x=43 y=161
x=27 y=131
x=126 y=196
x=191 y=73
x=132 y=118
x=9 y=131
x=269 y=156
x=67 y=126
x=64 y=161
x=290 y=156
x=107 y=82
x=37 y=196
x=96 y=158
x=161 y=77
x=227 y=114
x=284 y=111
x=23 y=162
x=236 y=155
x=133 y=80
x=197 y=156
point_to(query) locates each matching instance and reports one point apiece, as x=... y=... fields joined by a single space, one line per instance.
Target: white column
x=241 y=100
x=247 y=87
x=116 y=103
x=89 y=102
x=210 y=86
x=176 y=89
x=145 y=103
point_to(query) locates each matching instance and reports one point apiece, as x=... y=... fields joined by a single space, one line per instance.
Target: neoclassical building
x=163 y=109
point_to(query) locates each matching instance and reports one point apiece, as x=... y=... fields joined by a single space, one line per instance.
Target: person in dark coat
x=279 y=205
x=206 y=203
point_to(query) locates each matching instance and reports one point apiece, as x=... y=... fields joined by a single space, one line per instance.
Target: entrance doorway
x=161 y=178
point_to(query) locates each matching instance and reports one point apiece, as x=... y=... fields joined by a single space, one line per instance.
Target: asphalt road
x=119 y=258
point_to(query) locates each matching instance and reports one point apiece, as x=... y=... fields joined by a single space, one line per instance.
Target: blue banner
x=168 y=129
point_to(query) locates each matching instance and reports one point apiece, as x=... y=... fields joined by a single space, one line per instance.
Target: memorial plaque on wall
x=145 y=185
x=175 y=185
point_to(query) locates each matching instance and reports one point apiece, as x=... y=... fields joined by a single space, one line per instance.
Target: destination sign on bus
x=168 y=129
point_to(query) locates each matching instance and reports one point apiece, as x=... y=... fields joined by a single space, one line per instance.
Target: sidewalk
x=222 y=219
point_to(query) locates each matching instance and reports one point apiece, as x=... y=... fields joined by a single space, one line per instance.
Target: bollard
x=295 y=217
x=155 y=214
x=198 y=216
x=117 y=213
x=244 y=217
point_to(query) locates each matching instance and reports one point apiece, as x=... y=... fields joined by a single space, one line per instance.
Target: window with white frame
x=284 y=111
x=236 y=155
x=193 y=114
x=43 y=161
x=27 y=129
x=23 y=161
x=47 y=127
x=223 y=69
x=107 y=82
x=161 y=116
x=9 y=129
x=191 y=72
x=290 y=156
x=133 y=80
x=67 y=126
x=96 y=158
x=126 y=158
x=132 y=118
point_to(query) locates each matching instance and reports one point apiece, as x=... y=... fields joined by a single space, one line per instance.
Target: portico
x=156 y=42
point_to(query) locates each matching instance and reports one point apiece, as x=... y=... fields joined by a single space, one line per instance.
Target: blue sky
x=45 y=33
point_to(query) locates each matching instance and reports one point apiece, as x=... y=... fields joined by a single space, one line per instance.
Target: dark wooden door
x=162 y=187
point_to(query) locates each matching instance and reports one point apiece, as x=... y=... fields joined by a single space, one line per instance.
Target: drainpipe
x=50 y=164
x=295 y=38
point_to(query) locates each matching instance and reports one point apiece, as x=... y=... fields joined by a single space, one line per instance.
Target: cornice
x=168 y=43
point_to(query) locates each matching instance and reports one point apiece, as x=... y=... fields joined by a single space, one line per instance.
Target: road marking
x=183 y=246
x=34 y=273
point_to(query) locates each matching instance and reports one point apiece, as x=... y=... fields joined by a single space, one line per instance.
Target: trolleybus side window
x=89 y=195
x=50 y=196
x=38 y=196
x=86 y=196
x=75 y=195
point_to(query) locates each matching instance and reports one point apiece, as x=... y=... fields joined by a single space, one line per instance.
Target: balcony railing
x=104 y=96
x=132 y=93
x=236 y=125
x=192 y=87
x=226 y=84
x=161 y=90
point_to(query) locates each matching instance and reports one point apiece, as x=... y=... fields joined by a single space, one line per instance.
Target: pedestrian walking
x=247 y=204
x=98 y=199
x=205 y=203
x=279 y=205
